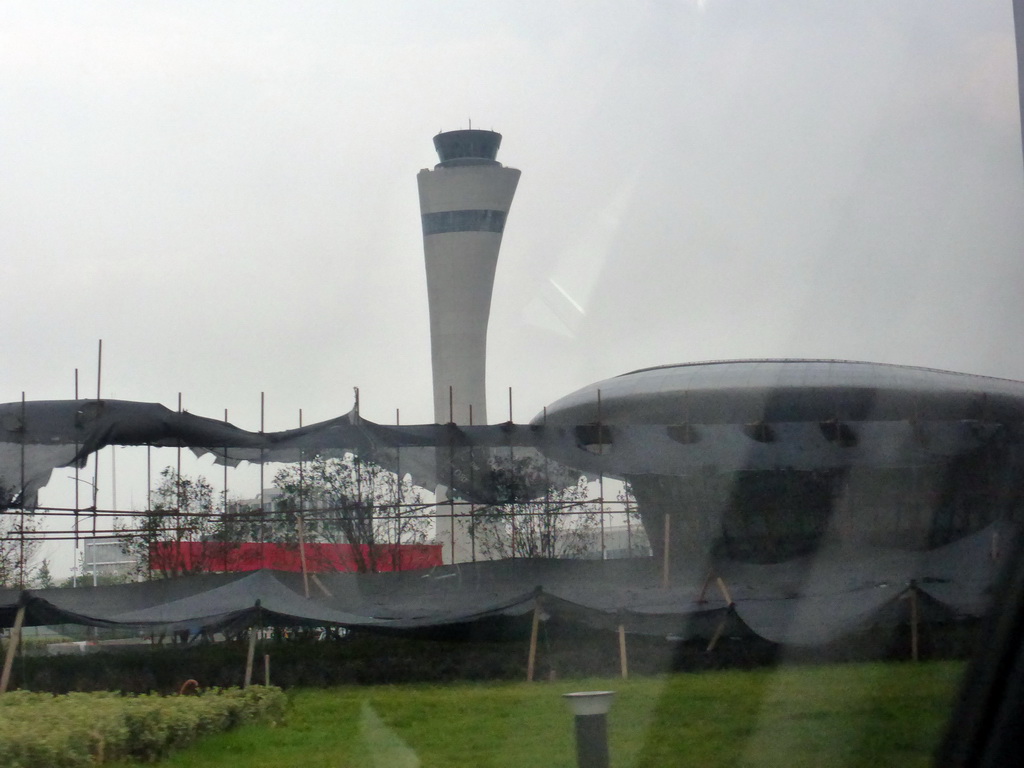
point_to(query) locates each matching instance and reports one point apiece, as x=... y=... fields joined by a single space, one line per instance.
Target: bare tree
x=638 y=543
x=536 y=518
x=353 y=502
x=17 y=545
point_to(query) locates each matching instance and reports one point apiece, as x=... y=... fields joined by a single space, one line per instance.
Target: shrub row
x=39 y=730
x=564 y=651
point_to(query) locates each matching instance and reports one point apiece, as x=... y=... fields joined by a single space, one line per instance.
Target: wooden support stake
x=302 y=552
x=12 y=648
x=718 y=634
x=266 y=669
x=701 y=598
x=724 y=589
x=316 y=580
x=531 y=663
x=913 y=624
x=664 y=559
x=250 y=656
x=623 y=660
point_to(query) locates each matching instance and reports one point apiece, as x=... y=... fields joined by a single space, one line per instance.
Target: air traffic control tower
x=464 y=202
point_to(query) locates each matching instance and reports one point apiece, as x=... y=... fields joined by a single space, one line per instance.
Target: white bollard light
x=591 y=709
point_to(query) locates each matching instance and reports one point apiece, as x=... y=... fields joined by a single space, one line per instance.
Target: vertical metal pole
x=266 y=669
x=451 y=473
x=472 y=506
x=370 y=558
x=547 y=482
x=74 y=572
x=21 y=497
x=302 y=553
x=300 y=521
x=263 y=501
x=397 y=557
x=96 y=455
x=600 y=485
x=113 y=477
x=511 y=450
x=149 y=501
x=629 y=523
x=451 y=520
x=512 y=479
x=512 y=517
x=178 y=465
x=178 y=492
x=99 y=368
x=225 y=528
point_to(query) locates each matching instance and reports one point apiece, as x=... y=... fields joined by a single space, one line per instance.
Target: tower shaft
x=464 y=202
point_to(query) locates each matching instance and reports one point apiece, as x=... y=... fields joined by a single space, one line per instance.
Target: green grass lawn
x=839 y=715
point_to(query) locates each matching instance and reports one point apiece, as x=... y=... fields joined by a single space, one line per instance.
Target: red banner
x=218 y=557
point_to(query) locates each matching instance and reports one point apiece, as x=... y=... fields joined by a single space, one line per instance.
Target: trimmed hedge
x=39 y=730
x=303 y=660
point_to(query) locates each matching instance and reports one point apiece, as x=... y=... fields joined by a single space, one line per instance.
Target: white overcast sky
x=225 y=192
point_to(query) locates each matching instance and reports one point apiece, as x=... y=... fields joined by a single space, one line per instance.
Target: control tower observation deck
x=464 y=203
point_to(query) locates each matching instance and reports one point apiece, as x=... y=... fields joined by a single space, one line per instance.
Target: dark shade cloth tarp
x=36 y=437
x=810 y=601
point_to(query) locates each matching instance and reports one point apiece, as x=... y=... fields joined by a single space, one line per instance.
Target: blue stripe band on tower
x=463 y=221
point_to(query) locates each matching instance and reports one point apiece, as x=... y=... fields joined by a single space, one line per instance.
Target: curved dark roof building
x=767 y=459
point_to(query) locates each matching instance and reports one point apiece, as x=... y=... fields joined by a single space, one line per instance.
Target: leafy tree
x=537 y=518
x=182 y=510
x=44 y=579
x=355 y=502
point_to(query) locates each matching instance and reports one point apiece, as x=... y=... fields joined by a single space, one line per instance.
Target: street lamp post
x=74 y=565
